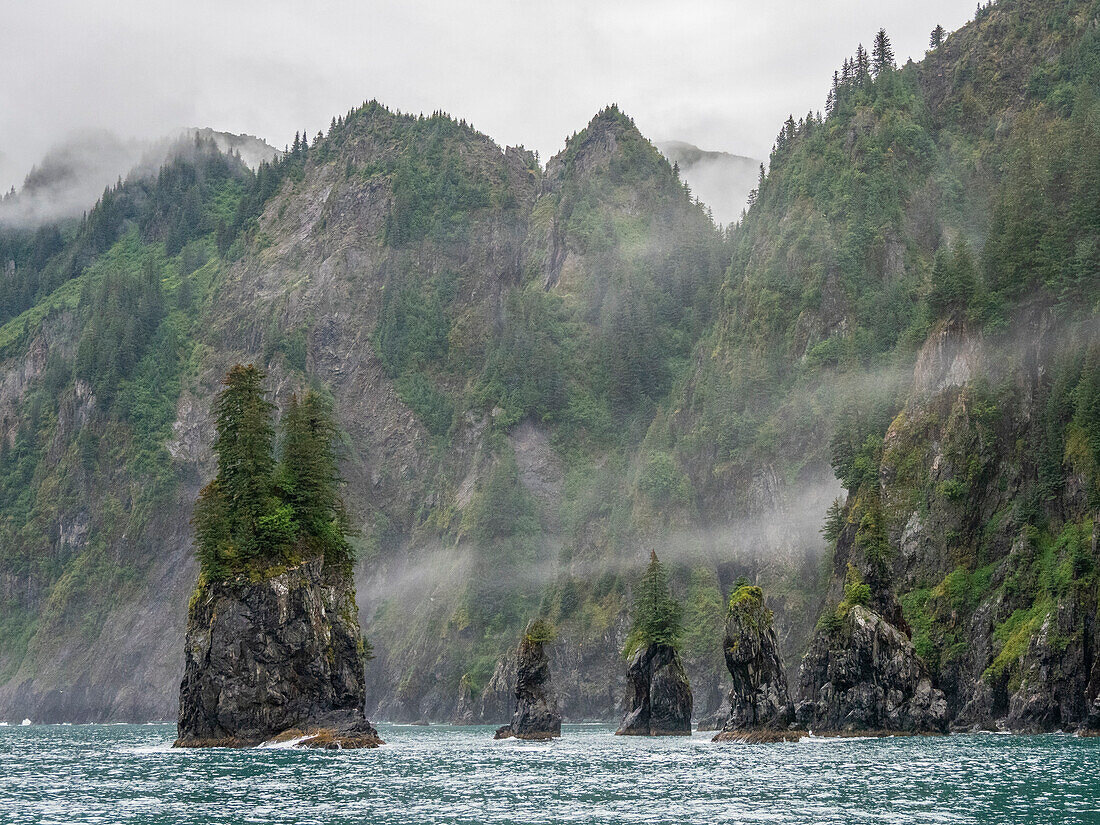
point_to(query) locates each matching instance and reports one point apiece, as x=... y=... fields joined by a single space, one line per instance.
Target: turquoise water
x=129 y=774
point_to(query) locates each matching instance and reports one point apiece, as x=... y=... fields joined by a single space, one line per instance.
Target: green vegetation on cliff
x=258 y=514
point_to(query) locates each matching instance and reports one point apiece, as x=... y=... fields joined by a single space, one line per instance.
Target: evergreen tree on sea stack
x=308 y=478
x=257 y=513
x=657 y=616
x=238 y=520
x=659 y=700
x=273 y=645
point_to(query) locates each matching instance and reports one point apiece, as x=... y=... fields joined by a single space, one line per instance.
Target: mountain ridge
x=545 y=373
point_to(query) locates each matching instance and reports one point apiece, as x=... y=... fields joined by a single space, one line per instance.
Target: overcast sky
x=722 y=74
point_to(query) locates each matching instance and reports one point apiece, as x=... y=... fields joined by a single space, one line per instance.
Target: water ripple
x=130 y=774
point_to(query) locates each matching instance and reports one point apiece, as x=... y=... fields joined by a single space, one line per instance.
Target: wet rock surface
x=865 y=676
x=279 y=658
x=658 y=698
x=537 y=714
x=759 y=699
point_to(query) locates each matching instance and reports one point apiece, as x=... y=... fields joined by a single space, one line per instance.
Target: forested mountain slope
x=544 y=373
x=919 y=270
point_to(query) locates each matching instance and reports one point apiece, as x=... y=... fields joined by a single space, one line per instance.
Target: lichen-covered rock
x=759 y=699
x=865 y=676
x=282 y=657
x=1052 y=674
x=658 y=698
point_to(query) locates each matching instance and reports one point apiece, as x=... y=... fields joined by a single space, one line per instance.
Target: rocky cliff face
x=278 y=657
x=975 y=543
x=759 y=698
x=865 y=676
x=658 y=697
x=408 y=263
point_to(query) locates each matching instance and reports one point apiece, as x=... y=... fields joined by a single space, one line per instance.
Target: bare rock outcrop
x=537 y=713
x=275 y=659
x=863 y=675
x=759 y=698
x=658 y=700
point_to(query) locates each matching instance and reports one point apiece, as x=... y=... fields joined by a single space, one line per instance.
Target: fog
x=778 y=538
x=73 y=174
x=719 y=179
x=722 y=74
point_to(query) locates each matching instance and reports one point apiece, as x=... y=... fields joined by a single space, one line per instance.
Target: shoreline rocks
x=864 y=675
x=279 y=658
x=658 y=700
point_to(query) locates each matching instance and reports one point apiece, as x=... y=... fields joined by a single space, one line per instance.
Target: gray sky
x=722 y=74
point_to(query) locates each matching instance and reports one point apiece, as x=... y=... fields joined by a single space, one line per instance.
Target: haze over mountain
x=877 y=397
x=719 y=179
x=711 y=72
x=71 y=176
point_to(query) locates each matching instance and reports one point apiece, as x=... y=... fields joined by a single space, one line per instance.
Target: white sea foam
x=289 y=743
x=147 y=750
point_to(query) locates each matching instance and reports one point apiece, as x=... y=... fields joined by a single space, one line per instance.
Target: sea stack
x=658 y=699
x=759 y=702
x=273 y=646
x=279 y=658
x=862 y=674
x=537 y=714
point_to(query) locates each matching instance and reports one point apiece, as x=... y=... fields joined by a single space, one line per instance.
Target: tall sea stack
x=760 y=705
x=271 y=658
x=273 y=645
x=537 y=714
x=658 y=699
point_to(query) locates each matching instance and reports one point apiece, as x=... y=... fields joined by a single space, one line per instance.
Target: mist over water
x=130 y=774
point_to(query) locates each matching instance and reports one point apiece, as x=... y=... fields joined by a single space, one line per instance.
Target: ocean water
x=130 y=774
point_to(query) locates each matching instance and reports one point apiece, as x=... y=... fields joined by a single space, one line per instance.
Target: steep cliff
x=975 y=537
x=275 y=657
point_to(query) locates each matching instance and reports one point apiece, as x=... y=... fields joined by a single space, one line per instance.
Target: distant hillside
x=544 y=373
x=72 y=175
x=720 y=180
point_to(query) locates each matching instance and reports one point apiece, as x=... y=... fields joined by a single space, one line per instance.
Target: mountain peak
x=610 y=142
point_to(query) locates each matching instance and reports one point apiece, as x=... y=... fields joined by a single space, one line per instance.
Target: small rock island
x=658 y=700
x=273 y=646
x=760 y=705
x=537 y=714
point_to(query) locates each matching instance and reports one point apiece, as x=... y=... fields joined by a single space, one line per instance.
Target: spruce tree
x=882 y=53
x=656 y=615
x=862 y=65
x=309 y=479
x=238 y=519
x=936 y=40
